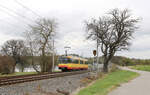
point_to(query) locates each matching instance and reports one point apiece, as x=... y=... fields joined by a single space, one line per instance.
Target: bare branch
x=113 y=32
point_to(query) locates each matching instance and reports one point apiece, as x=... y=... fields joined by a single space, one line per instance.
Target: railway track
x=27 y=78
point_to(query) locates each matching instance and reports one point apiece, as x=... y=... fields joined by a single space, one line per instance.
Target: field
x=109 y=82
x=141 y=67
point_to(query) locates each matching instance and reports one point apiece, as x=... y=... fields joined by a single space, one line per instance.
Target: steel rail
x=34 y=77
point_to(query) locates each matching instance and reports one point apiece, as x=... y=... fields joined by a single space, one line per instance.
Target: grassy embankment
x=141 y=67
x=108 y=82
x=18 y=73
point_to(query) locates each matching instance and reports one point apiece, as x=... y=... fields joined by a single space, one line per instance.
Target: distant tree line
x=124 y=61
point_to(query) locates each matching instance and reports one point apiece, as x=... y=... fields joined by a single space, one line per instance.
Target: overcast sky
x=70 y=16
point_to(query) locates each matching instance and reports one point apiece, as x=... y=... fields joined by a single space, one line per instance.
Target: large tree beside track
x=113 y=32
x=39 y=38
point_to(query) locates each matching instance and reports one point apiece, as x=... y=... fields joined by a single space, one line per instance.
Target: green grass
x=109 y=82
x=141 y=67
x=18 y=73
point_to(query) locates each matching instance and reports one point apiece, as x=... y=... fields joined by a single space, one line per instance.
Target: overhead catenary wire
x=14 y=25
x=27 y=8
x=16 y=13
x=9 y=14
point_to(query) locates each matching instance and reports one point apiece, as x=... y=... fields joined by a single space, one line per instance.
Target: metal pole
x=93 y=63
x=97 y=54
x=53 y=57
x=66 y=52
x=66 y=49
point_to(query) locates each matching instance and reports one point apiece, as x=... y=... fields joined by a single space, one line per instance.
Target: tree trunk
x=33 y=64
x=22 y=69
x=106 y=62
x=13 y=69
x=105 y=67
x=43 y=58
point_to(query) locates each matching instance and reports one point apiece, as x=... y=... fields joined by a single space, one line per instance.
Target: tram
x=69 y=63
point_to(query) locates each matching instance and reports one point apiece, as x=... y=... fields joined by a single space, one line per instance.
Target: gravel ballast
x=65 y=84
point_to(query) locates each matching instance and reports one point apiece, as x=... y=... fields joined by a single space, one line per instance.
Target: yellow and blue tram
x=67 y=63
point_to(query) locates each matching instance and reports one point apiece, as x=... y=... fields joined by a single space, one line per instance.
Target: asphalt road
x=137 y=86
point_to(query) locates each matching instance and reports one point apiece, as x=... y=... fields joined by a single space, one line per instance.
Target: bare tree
x=39 y=39
x=113 y=32
x=15 y=49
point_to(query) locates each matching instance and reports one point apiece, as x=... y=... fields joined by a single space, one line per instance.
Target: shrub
x=7 y=64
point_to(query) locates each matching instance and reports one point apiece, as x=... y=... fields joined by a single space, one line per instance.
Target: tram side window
x=86 y=62
x=75 y=61
x=81 y=62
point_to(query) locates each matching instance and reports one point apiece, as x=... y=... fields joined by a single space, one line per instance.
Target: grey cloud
x=70 y=15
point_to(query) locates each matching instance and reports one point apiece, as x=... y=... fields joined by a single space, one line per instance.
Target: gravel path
x=137 y=86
